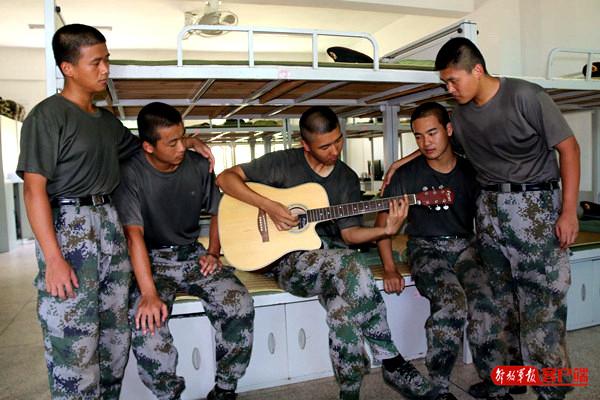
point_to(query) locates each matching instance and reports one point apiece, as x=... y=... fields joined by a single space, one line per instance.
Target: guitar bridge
x=263 y=226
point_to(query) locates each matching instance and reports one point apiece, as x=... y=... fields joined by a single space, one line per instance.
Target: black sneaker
x=407 y=380
x=517 y=390
x=220 y=394
x=446 y=396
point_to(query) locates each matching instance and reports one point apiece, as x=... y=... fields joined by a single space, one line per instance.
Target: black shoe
x=517 y=390
x=407 y=380
x=220 y=394
x=500 y=397
x=480 y=390
x=446 y=396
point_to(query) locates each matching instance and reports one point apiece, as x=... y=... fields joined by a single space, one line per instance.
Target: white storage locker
x=269 y=363
x=308 y=341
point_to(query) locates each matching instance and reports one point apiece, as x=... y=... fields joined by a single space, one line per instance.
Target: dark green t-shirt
x=167 y=204
x=287 y=168
x=78 y=152
x=424 y=221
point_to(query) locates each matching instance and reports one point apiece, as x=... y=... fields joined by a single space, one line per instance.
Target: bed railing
x=557 y=50
x=465 y=28
x=252 y=30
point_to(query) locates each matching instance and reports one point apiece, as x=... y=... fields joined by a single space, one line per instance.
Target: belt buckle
x=97 y=199
x=506 y=187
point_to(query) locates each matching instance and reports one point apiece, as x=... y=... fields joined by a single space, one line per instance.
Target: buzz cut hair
x=154 y=116
x=317 y=120
x=428 y=109
x=459 y=52
x=69 y=39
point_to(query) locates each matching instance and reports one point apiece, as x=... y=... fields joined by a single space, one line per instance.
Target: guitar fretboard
x=351 y=209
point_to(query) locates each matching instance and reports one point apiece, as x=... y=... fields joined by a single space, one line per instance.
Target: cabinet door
x=194 y=340
x=308 y=343
x=596 y=293
x=133 y=388
x=406 y=315
x=268 y=364
x=580 y=312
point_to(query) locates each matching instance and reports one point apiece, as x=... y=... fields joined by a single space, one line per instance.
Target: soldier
x=345 y=286
x=162 y=193
x=440 y=243
x=69 y=161
x=509 y=129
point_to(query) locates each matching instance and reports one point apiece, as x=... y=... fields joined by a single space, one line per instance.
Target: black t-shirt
x=78 y=152
x=287 y=168
x=423 y=221
x=167 y=205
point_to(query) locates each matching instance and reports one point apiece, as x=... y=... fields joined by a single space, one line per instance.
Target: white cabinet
x=579 y=298
x=291 y=342
x=194 y=339
x=269 y=362
x=596 y=293
x=583 y=298
x=308 y=341
x=406 y=315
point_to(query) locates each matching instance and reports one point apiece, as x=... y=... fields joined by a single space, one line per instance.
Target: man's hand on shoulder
x=202 y=148
x=151 y=313
x=60 y=278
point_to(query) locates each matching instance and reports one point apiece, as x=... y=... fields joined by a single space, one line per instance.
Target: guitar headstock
x=435 y=197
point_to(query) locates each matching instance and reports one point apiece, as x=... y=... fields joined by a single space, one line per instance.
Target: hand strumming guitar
x=280 y=215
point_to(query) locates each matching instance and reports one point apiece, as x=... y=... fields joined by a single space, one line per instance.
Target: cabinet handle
x=271 y=343
x=196 y=358
x=583 y=292
x=302 y=338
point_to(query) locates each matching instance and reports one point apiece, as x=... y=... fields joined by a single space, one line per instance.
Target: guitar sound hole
x=302 y=218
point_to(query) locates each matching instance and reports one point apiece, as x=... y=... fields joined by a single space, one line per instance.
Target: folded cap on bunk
x=344 y=54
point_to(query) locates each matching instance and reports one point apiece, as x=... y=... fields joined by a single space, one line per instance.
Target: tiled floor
x=23 y=372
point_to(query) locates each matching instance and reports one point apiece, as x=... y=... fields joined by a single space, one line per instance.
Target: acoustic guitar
x=250 y=240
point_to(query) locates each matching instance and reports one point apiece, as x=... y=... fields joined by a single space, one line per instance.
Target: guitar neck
x=352 y=209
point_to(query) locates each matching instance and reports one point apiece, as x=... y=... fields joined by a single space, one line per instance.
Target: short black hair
x=318 y=120
x=153 y=116
x=459 y=52
x=430 y=108
x=69 y=39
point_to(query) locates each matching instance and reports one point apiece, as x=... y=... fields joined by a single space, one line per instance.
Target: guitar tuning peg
x=446 y=207
x=425 y=188
x=441 y=187
x=438 y=208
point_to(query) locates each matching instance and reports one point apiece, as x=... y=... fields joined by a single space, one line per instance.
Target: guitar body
x=250 y=240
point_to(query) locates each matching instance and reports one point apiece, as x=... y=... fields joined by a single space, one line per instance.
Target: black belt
x=444 y=237
x=95 y=200
x=178 y=247
x=521 y=187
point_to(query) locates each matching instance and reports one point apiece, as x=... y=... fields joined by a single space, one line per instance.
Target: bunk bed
x=392 y=86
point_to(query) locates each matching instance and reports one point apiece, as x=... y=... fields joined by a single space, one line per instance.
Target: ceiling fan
x=212 y=14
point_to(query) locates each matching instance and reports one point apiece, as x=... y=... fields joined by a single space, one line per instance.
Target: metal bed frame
x=282 y=91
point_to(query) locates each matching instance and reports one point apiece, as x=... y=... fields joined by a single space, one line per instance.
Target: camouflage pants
x=438 y=267
x=86 y=338
x=227 y=304
x=355 y=309
x=528 y=277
